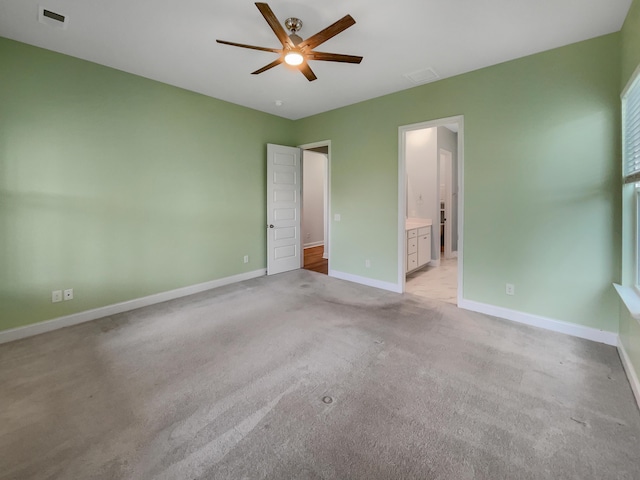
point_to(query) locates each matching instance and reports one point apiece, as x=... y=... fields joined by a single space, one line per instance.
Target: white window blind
x=631 y=131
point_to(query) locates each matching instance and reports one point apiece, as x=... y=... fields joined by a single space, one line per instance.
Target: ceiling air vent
x=422 y=76
x=54 y=19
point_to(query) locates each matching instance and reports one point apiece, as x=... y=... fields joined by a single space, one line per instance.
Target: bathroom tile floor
x=436 y=283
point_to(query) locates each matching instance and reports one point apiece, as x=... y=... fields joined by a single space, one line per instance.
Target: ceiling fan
x=295 y=51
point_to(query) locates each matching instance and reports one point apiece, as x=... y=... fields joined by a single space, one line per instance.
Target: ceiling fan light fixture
x=295 y=51
x=293 y=58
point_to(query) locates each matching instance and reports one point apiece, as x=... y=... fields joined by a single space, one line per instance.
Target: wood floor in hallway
x=313 y=260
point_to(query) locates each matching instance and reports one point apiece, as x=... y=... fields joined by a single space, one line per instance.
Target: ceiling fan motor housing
x=296 y=39
x=293 y=24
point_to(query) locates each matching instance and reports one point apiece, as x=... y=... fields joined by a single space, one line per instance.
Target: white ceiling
x=175 y=41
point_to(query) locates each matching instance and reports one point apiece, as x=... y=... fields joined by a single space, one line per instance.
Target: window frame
x=629 y=289
x=632 y=90
x=636 y=239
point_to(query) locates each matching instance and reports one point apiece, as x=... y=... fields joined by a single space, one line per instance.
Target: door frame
x=327 y=201
x=402 y=195
x=448 y=197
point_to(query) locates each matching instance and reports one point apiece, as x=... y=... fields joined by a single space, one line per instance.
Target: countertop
x=417 y=223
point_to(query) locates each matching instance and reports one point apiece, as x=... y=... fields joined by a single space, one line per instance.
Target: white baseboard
x=575 y=330
x=94 y=314
x=314 y=244
x=370 y=282
x=630 y=371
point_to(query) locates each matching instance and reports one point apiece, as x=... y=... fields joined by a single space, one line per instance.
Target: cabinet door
x=424 y=249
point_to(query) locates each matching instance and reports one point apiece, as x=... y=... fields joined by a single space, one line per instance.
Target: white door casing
x=283 y=208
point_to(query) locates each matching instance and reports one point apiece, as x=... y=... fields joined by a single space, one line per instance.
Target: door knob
x=270 y=226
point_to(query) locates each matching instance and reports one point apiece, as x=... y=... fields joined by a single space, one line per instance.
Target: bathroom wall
x=313 y=181
x=422 y=180
x=422 y=173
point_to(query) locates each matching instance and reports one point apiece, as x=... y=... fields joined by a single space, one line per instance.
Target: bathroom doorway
x=430 y=209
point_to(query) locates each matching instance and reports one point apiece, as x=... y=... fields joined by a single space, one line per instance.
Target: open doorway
x=430 y=209
x=315 y=207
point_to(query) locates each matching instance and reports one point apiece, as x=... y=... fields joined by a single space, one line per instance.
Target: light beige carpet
x=302 y=376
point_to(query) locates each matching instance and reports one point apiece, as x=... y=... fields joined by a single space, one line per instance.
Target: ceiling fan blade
x=253 y=47
x=275 y=63
x=273 y=22
x=329 y=32
x=307 y=72
x=334 y=57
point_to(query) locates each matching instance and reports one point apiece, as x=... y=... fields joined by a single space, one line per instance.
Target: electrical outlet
x=56 y=296
x=246 y=259
x=510 y=289
x=68 y=294
x=367 y=263
x=336 y=217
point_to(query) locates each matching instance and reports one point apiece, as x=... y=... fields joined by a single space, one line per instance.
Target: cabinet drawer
x=412 y=233
x=412 y=245
x=424 y=231
x=412 y=262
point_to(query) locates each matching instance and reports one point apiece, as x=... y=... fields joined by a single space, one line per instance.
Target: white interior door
x=283 y=209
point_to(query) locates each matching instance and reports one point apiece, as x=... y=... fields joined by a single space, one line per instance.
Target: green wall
x=629 y=327
x=120 y=187
x=541 y=204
